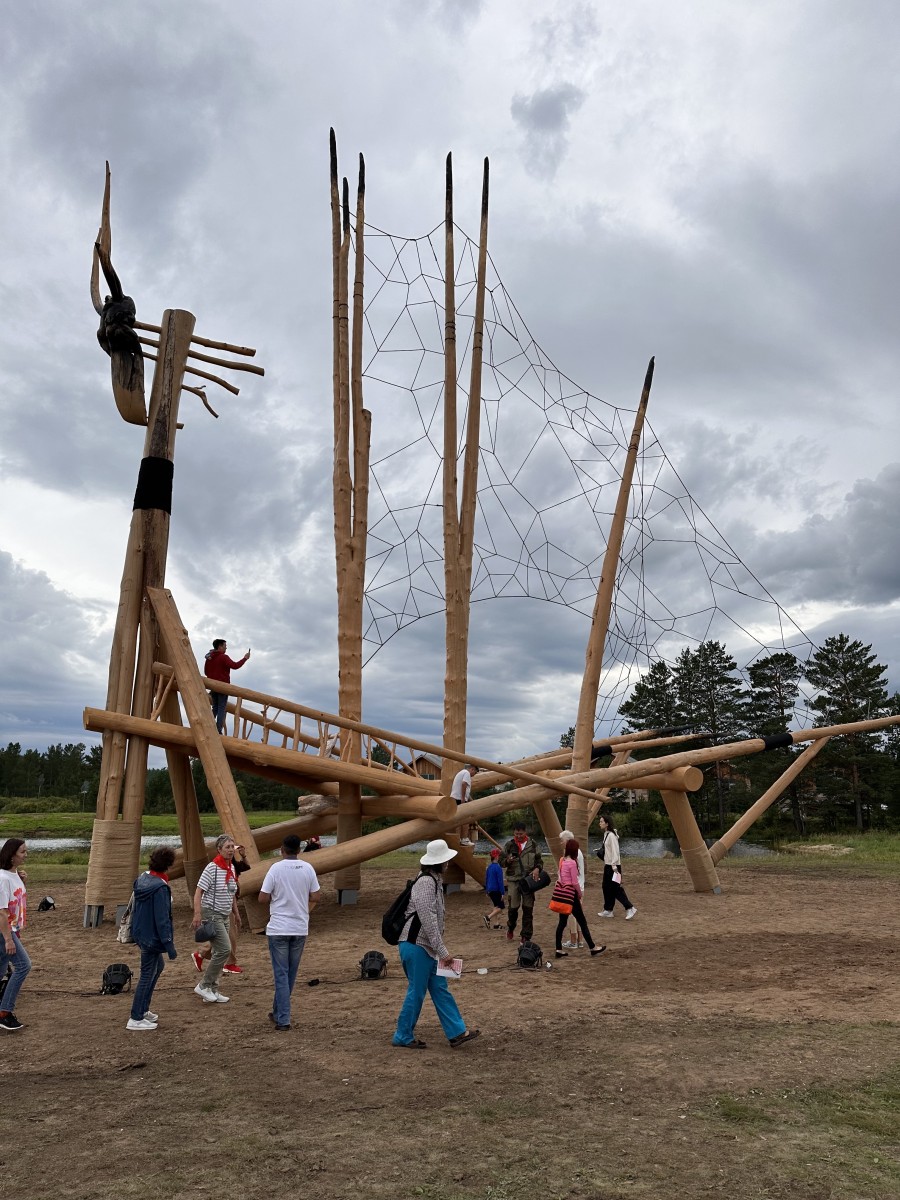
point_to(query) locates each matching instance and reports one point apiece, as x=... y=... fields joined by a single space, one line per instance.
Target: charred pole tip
x=648 y=378
x=346 y=205
x=448 y=201
x=485 y=188
x=361 y=186
x=332 y=144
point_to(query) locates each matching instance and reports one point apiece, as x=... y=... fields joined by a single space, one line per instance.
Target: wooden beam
x=577 y=809
x=726 y=842
x=206 y=736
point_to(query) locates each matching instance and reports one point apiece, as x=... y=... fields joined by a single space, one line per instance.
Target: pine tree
x=852 y=687
x=651 y=704
x=774 y=686
x=711 y=697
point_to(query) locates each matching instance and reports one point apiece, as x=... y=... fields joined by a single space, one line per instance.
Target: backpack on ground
x=373 y=965
x=124 y=934
x=531 y=957
x=116 y=978
x=395 y=918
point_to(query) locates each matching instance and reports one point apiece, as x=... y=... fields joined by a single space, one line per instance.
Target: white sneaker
x=605 y=914
x=151 y=1016
x=568 y=945
x=216 y=997
x=466 y=842
x=632 y=912
x=207 y=995
x=133 y=1024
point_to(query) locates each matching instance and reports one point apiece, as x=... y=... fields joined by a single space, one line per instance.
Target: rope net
x=551 y=458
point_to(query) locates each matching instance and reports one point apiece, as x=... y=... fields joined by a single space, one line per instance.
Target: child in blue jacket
x=495 y=888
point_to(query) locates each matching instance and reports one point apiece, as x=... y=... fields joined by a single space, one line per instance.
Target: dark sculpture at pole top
x=117 y=334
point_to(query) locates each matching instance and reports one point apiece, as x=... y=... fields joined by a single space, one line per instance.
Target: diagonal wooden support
x=720 y=848
x=203 y=726
x=693 y=848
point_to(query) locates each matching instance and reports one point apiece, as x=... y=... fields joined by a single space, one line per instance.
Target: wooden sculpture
x=120 y=799
x=357 y=771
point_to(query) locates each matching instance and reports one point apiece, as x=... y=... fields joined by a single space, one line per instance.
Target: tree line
x=855 y=781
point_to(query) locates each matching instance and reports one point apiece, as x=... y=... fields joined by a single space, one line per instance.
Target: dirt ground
x=627 y=1075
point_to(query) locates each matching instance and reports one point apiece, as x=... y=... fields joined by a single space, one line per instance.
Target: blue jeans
x=220 y=708
x=285 y=951
x=21 y=965
x=421 y=971
x=152 y=965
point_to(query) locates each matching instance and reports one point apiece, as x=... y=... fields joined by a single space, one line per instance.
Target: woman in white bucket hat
x=422 y=948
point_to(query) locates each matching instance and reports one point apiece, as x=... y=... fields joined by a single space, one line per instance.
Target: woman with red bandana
x=215 y=900
x=151 y=928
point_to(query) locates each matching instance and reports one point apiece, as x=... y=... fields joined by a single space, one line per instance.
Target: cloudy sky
x=714 y=185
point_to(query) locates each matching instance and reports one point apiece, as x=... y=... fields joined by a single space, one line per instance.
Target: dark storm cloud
x=849 y=557
x=152 y=96
x=53 y=659
x=543 y=116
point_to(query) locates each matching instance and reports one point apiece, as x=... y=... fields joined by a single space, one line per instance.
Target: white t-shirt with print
x=290 y=883
x=12 y=898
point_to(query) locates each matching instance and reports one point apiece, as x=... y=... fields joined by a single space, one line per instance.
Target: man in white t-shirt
x=461 y=792
x=291 y=891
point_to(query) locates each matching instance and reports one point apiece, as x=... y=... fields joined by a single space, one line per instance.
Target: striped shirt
x=218 y=889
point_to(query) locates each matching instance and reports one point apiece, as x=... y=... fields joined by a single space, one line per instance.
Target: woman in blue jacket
x=151 y=928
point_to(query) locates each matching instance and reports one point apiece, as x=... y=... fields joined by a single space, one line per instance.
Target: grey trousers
x=220 y=946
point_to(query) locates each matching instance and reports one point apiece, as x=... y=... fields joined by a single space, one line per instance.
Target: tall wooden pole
x=459 y=519
x=351 y=492
x=115 y=843
x=577 y=809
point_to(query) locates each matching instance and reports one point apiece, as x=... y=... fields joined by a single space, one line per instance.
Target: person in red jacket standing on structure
x=219 y=666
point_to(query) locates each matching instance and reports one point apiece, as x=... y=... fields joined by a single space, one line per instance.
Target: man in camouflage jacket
x=521 y=857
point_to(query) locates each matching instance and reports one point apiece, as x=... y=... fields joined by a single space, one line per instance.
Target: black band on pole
x=154 y=485
x=777 y=741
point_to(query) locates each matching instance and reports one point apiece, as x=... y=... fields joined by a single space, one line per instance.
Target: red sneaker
x=509 y=935
x=198 y=961
x=233 y=969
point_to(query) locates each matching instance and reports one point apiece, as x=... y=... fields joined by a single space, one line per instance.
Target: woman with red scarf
x=215 y=900
x=151 y=928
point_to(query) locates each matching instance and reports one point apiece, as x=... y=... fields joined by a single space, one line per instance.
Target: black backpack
x=373 y=965
x=395 y=918
x=116 y=978
x=530 y=956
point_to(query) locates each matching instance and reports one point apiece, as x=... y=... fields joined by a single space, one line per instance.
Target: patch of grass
x=737 y=1111
x=80 y=825
x=844 y=1136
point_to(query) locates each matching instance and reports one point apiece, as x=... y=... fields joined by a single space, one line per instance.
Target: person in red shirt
x=219 y=666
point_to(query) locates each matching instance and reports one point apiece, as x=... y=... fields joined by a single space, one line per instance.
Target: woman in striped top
x=215 y=900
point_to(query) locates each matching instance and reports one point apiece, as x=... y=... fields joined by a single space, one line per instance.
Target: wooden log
x=266 y=839
x=503 y=771
x=726 y=842
x=207 y=737
x=193 y=847
x=693 y=848
x=255 y=756
x=577 y=809
x=153 y=503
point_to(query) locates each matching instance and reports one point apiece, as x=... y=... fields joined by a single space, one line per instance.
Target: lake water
x=629 y=847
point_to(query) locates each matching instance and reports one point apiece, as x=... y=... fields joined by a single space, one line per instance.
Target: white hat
x=567 y=835
x=437 y=852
